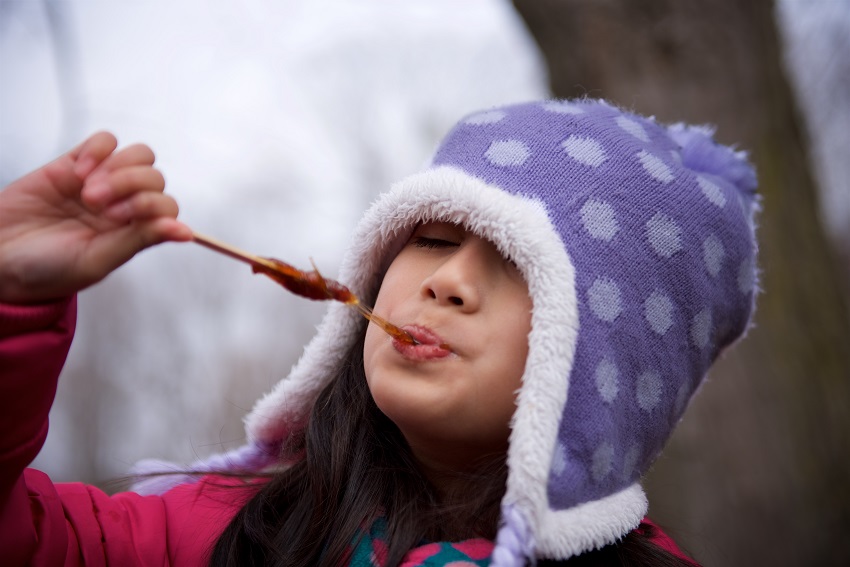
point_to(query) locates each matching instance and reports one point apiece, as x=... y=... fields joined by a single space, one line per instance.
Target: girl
x=569 y=272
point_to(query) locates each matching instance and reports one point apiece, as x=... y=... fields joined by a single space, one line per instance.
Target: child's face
x=455 y=288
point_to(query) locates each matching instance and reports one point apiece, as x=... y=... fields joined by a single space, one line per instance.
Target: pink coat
x=42 y=523
x=73 y=524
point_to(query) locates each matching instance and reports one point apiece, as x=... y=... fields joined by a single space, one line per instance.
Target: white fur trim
x=592 y=525
x=286 y=407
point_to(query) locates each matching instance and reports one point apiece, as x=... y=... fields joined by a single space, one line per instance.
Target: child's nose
x=456 y=282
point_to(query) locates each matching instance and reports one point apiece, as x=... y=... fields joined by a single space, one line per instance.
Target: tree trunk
x=758 y=472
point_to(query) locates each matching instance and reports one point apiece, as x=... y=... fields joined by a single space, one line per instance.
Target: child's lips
x=430 y=346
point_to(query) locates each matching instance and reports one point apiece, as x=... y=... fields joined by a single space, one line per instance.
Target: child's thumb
x=111 y=251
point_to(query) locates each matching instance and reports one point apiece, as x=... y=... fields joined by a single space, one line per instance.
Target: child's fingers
x=140 y=206
x=113 y=250
x=135 y=154
x=167 y=230
x=89 y=154
x=158 y=230
x=104 y=190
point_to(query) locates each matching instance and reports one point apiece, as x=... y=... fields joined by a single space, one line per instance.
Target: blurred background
x=276 y=124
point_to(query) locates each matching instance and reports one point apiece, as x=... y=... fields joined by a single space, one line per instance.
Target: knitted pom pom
x=702 y=154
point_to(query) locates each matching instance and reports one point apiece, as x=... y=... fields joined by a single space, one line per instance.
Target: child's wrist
x=24 y=317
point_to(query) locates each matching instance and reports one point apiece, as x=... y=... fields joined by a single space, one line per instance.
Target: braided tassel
x=157 y=477
x=514 y=542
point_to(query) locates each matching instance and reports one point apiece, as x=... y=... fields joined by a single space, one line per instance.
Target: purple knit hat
x=637 y=244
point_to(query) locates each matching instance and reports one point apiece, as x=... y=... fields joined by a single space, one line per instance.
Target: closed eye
x=431 y=243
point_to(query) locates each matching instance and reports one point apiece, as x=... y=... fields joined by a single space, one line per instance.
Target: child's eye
x=431 y=243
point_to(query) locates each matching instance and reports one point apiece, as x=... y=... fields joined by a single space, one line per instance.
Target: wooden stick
x=247 y=257
x=228 y=250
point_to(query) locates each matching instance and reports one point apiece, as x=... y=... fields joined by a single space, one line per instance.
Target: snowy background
x=275 y=123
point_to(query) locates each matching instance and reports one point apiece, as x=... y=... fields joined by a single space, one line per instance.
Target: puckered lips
x=430 y=346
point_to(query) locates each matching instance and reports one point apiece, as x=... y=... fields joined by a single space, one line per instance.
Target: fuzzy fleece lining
x=521 y=230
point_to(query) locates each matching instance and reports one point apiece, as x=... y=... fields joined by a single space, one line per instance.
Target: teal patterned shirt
x=371 y=551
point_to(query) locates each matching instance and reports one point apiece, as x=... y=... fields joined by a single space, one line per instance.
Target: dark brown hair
x=356 y=466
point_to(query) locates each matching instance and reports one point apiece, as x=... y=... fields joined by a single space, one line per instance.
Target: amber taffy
x=310 y=284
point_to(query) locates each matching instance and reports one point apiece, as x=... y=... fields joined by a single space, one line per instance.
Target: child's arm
x=34 y=340
x=68 y=224
x=63 y=227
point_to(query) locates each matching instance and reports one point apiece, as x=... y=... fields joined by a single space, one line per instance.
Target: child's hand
x=71 y=222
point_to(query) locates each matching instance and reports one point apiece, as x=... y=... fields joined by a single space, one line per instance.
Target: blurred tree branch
x=759 y=471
